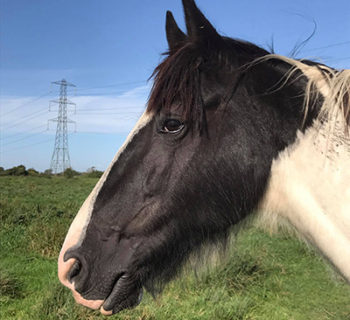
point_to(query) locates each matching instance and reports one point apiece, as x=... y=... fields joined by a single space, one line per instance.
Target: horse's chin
x=124 y=295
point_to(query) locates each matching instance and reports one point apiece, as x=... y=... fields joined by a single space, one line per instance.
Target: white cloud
x=100 y=114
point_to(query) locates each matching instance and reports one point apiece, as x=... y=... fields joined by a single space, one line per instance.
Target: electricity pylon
x=60 y=160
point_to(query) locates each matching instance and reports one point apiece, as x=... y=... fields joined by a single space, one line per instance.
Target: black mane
x=177 y=79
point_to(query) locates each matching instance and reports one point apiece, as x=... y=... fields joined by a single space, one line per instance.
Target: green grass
x=265 y=277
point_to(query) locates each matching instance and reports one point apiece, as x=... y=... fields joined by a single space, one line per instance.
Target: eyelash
x=177 y=124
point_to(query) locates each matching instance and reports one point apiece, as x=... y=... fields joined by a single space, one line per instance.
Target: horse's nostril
x=74 y=271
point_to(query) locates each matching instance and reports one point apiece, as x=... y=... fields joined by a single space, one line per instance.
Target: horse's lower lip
x=122 y=296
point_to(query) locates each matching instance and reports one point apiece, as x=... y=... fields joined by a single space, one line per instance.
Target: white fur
x=310 y=184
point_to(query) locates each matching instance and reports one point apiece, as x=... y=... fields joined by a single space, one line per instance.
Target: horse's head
x=196 y=163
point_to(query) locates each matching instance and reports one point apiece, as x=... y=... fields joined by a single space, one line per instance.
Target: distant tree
x=92 y=169
x=21 y=170
x=48 y=172
x=93 y=173
x=16 y=171
x=70 y=173
x=6 y=172
x=32 y=172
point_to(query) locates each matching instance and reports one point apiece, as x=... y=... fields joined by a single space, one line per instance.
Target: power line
x=135 y=116
x=80 y=89
x=26 y=118
x=42 y=111
x=113 y=109
x=109 y=112
x=30 y=145
x=96 y=133
x=129 y=113
x=26 y=103
x=112 y=85
x=107 y=93
x=82 y=112
x=20 y=133
x=328 y=46
x=24 y=138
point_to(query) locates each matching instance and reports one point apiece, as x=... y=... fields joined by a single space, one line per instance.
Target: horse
x=230 y=130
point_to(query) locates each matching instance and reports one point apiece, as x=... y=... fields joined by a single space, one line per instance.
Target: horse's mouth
x=126 y=294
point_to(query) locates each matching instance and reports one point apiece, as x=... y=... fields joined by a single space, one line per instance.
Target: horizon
x=109 y=49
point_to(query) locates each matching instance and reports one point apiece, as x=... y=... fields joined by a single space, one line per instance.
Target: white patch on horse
x=310 y=183
x=77 y=230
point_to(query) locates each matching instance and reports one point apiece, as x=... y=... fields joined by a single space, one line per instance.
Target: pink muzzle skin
x=63 y=270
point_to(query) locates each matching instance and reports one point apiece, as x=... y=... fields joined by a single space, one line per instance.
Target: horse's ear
x=198 y=27
x=174 y=35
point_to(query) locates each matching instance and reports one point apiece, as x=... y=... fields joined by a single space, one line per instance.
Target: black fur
x=169 y=193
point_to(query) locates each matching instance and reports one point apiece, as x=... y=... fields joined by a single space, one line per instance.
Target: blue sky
x=109 y=48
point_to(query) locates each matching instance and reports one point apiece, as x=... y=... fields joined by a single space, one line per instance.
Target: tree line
x=21 y=170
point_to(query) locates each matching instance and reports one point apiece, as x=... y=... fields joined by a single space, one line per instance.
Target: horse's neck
x=310 y=188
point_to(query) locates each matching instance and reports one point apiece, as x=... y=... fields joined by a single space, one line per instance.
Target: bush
x=33 y=172
x=70 y=173
x=15 y=171
x=93 y=173
x=48 y=172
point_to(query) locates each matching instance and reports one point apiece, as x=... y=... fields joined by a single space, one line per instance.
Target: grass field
x=265 y=277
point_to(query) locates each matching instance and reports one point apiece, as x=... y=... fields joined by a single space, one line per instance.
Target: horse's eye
x=172 y=126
